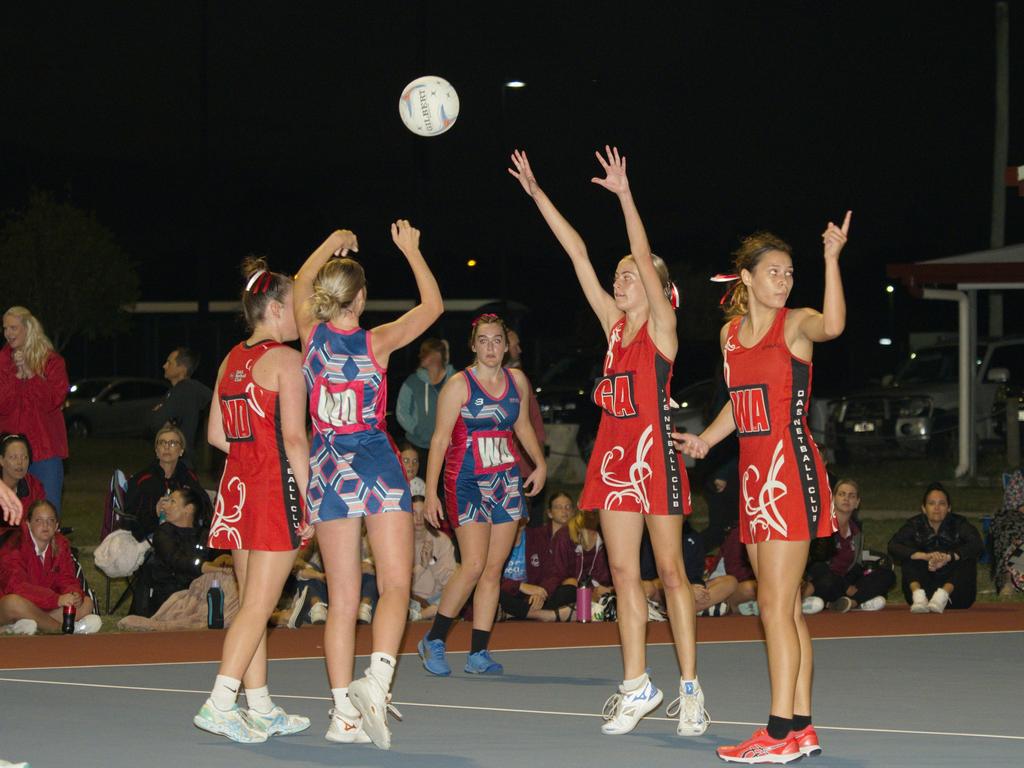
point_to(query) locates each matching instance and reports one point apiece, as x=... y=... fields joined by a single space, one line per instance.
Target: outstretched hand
x=523 y=173
x=691 y=445
x=835 y=237
x=615 y=171
x=405 y=236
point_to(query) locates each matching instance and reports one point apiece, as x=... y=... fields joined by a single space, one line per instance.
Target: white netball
x=429 y=106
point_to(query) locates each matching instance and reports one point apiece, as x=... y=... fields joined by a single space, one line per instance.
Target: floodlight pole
x=1000 y=153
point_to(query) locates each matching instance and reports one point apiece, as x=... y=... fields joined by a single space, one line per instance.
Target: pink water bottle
x=583 y=597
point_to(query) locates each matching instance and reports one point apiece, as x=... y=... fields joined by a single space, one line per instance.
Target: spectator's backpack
x=115 y=515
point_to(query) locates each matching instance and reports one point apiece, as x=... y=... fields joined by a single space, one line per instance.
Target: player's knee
x=473 y=569
x=672 y=575
x=624 y=572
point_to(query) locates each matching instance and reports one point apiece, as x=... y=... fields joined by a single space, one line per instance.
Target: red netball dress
x=784 y=493
x=634 y=467
x=258 y=503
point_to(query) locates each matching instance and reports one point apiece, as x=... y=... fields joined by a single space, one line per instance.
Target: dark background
x=201 y=131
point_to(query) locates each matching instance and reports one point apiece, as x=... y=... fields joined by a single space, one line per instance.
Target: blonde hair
x=748 y=256
x=335 y=287
x=584 y=518
x=168 y=427
x=662 y=269
x=37 y=345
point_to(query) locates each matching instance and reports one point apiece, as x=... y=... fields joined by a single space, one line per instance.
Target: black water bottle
x=68 y=625
x=215 y=606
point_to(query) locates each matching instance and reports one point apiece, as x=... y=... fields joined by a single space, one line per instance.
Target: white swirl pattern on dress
x=250 y=391
x=765 y=515
x=225 y=523
x=639 y=473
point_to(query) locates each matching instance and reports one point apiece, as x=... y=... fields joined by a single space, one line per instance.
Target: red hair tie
x=723 y=278
x=263 y=285
x=674 y=296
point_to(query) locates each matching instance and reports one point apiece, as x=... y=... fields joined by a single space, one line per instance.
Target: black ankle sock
x=800 y=721
x=440 y=627
x=779 y=727
x=480 y=639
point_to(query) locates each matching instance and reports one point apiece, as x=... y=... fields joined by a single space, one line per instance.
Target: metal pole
x=1000 y=146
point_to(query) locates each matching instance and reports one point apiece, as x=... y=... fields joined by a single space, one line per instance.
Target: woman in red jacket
x=37 y=578
x=33 y=387
x=15 y=458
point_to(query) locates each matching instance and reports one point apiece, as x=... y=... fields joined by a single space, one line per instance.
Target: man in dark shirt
x=186 y=400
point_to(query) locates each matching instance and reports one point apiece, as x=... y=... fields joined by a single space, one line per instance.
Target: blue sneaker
x=481 y=663
x=435 y=657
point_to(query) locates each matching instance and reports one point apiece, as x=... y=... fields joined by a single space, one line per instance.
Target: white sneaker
x=623 y=710
x=373 y=702
x=693 y=718
x=874 y=604
x=89 y=625
x=346 y=728
x=233 y=724
x=812 y=604
x=749 y=608
x=939 y=601
x=300 y=604
x=920 y=602
x=365 y=615
x=277 y=722
x=21 y=627
x=318 y=613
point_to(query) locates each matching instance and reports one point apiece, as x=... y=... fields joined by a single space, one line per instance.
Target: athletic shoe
x=435 y=656
x=482 y=663
x=939 y=601
x=21 y=627
x=89 y=625
x=721 y=609
x=623 y=710
x=807 y=741
x=373 y=702
x=654 y=612
x=365 y=615
x=300 y=605
x=762 y=748
x=415 y=610
x=920 y=603
x=5 y=764
x=693 y=718
x=346 y=729
x=812 y=604
x=842 y=605
x=277 y=722
x=233 y=724
x=749 y=608
x=874 y=604
x=318 y=613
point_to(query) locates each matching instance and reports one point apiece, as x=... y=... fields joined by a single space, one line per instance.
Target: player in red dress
x=634 y=477
x=784 y=493
x=258 y=418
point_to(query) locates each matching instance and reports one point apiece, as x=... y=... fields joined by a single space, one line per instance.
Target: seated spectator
x=736 y=563
x=433 y=563
x=580 y=558
x=306 y=591
x=837 y=575
x=411 y=465
x=149 y=489
x=179 y=554
x=37 y=578
x=1008 y=538
x=710 y=594
x=938 y=553
x=522 y=594
x=15 y=456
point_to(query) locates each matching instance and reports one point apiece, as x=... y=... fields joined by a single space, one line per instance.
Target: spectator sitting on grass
x=1008 y=538
x=307 y=590
x=411 y=466
x=433 y=563
x=743 y=600
x=938 y=552
x=37 y=578
x=179 y=554
x=523 y=594
x=15 y=457
x=710 y=595
x=837 y=574
x=149 y=489
x=580 y=558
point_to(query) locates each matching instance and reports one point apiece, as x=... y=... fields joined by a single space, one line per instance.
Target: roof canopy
x=997 y=269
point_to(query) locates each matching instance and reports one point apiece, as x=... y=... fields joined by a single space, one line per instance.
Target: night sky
x=734 y=116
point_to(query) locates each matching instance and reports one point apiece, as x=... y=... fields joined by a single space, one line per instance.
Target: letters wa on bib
x=258 y=502
x=784 y=491
x=634 y=467
x=354 y=467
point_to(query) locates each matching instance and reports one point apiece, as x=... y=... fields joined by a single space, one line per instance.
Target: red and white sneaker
x=807 y=740
x=762 y=748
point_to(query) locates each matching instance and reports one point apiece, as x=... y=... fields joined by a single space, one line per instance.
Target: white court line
x=525 y=650
x=512 y=711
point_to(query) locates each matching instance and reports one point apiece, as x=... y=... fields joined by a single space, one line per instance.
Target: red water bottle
x=584 y=595
x=68 y=625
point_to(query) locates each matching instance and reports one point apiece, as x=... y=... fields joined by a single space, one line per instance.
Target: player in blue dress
x=355 y=472
x=478 y=412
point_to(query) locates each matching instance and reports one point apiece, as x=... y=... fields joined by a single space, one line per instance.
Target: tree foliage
x=63 y=265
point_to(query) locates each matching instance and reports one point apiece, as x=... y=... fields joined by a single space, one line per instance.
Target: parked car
x=112 y=406
x=917 y=410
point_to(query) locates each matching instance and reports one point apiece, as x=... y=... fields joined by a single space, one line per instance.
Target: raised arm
x=339 y=243
x=523 y=428
x=830 y=322
x=398 y=333
x=599 y=299
x=663 y=316
x=449 y=403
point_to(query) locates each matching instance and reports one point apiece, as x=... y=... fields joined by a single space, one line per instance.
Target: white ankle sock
x=342 y=703
x=225 y=691
x=635 y=683
x=382 y=667
x=258 y=699
x=919 y=596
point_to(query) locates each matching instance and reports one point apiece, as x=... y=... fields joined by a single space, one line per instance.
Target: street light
x=515 y=84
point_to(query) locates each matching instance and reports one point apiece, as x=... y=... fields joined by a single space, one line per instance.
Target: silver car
x=112 y=406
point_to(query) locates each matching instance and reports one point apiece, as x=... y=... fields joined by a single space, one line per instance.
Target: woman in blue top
x=355 y=471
